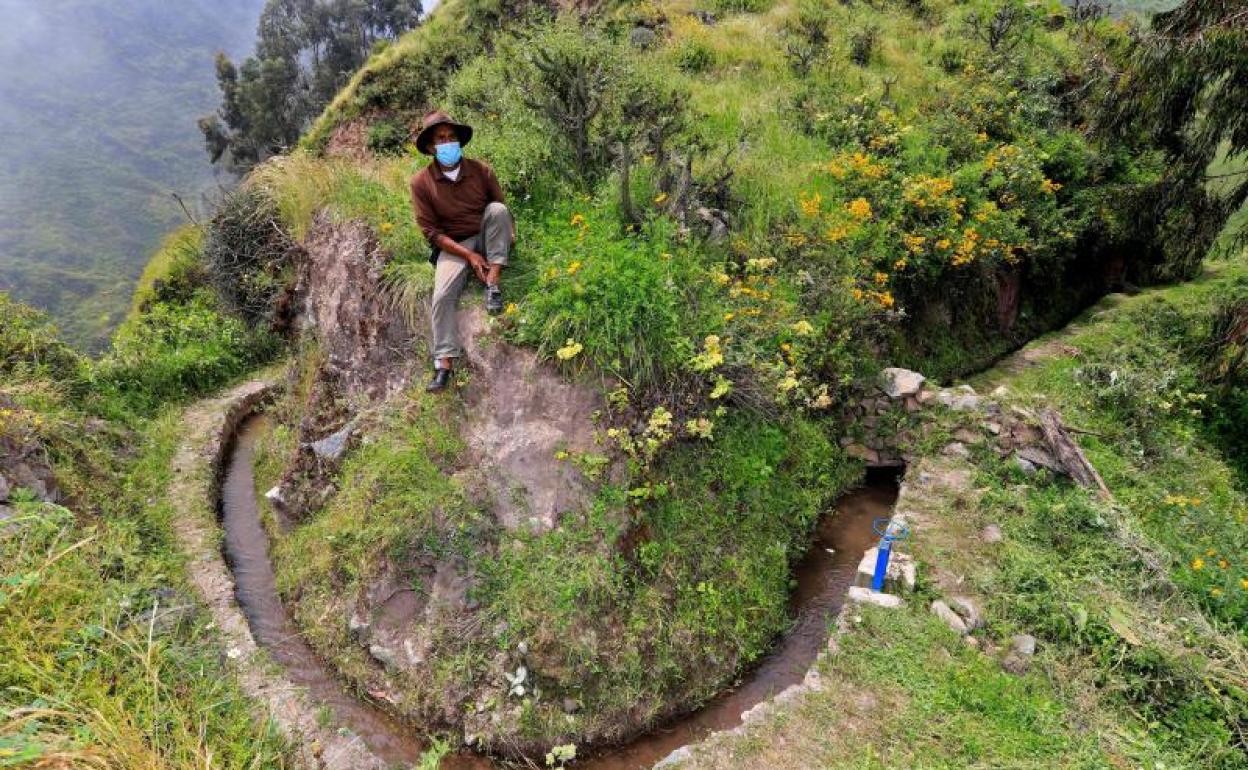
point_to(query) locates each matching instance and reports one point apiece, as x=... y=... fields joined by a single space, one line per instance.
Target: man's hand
x=479 y=265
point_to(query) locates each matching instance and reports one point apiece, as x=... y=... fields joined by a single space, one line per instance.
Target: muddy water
x=823 y=577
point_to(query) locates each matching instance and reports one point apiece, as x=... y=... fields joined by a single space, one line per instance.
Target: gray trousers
x=451 y=274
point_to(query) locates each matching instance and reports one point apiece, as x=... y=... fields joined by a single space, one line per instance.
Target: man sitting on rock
x=459 y=207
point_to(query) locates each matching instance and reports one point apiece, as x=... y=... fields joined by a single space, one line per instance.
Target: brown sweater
x=454 y=208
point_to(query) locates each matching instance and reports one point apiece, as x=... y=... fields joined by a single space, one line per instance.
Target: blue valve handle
x=891 y=531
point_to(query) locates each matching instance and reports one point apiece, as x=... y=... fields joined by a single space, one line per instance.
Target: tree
x=1184 y=91
x=305 y=52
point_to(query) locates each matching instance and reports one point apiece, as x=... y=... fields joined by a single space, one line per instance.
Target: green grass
x=88 y=679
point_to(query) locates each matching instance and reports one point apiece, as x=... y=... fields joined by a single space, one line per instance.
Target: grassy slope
x=1130 y=672
x=712 y=576
x=88 y=679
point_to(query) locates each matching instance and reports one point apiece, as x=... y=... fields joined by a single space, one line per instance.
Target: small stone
x=867 y=596
x=993 y=428
x=571 y=705
x=677 y=757
x=1023 y=464
x=959 y=399
x=383 y=655
x=523 y=648
x=334 y=446
x=971 y=641
x=1015 y=663
x=913 y=404
x=950 y=618
x=969 y=612
x=991 y=534
x=967 y=436
x=1023 y=644
x=4 y=490
x=957 y=449
x=899 y=383
x=275 y=497
x=1000 y=392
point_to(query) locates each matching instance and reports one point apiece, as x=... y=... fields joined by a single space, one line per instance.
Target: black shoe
x=493 y=300
x=441 y=379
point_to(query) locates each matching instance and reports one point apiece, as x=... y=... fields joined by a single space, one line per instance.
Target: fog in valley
x=98 y=101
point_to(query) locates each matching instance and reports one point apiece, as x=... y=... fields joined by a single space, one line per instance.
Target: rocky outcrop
x=366 y=351
x=521 y=413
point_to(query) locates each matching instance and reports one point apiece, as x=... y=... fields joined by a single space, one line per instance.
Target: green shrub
x=741 y=6
x=174 y=351
x=625 y=305
x=247 y=254
x=694 y=56
x=389 y=136
x=31 y=348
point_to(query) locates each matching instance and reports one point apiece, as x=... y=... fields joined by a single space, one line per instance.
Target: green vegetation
x=722 y=228
x=108 y=663
x=1137 y=605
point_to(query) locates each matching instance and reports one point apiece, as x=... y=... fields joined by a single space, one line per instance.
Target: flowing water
x=823 y=577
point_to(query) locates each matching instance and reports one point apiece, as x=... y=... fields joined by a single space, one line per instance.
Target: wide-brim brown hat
x=432 y=121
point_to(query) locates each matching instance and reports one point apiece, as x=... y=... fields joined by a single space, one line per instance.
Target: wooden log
x=1068 y=453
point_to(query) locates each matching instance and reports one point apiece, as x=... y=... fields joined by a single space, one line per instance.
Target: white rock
x=991 y=534
x=677 y=757
x=867 y=596
x=901 y=575
x=951 y=618
x=1023 y=644
x=275 y=496
x=899 y=383
x=969 y=612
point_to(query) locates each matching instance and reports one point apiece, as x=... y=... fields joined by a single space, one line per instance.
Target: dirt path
x=208 y=426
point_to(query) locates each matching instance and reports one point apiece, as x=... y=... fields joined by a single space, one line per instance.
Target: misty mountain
x=98 y=102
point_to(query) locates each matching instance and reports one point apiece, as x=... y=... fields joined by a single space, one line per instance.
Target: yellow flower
x=786 y=347
x=810 y=204
x=981 y=137
x=859 y=208
x=574 y=266
x=1243 y=583
x=803 y=328
x=901 y=264
x=729 y=316
x=789 y=382
x=570 y=350
x=551 y=273
x=1215 y=591
x=1049 y=186
x=578 y=220
x=386 y=227
x=836 y=233
x=511 y=309
x=658 y=199
x=881 y=278
x=561 y=455
x=1198 y=563
x=1222 y=564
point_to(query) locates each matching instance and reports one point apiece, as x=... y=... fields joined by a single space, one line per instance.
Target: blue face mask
x=448 y=154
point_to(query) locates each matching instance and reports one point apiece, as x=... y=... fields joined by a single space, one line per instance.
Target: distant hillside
x=97 y=126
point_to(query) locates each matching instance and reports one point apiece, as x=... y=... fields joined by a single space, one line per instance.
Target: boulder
x=960 y=399
x=950 y=618
x=970 y=613
x=642 y=38
x=900 y=383
x=4 y=490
